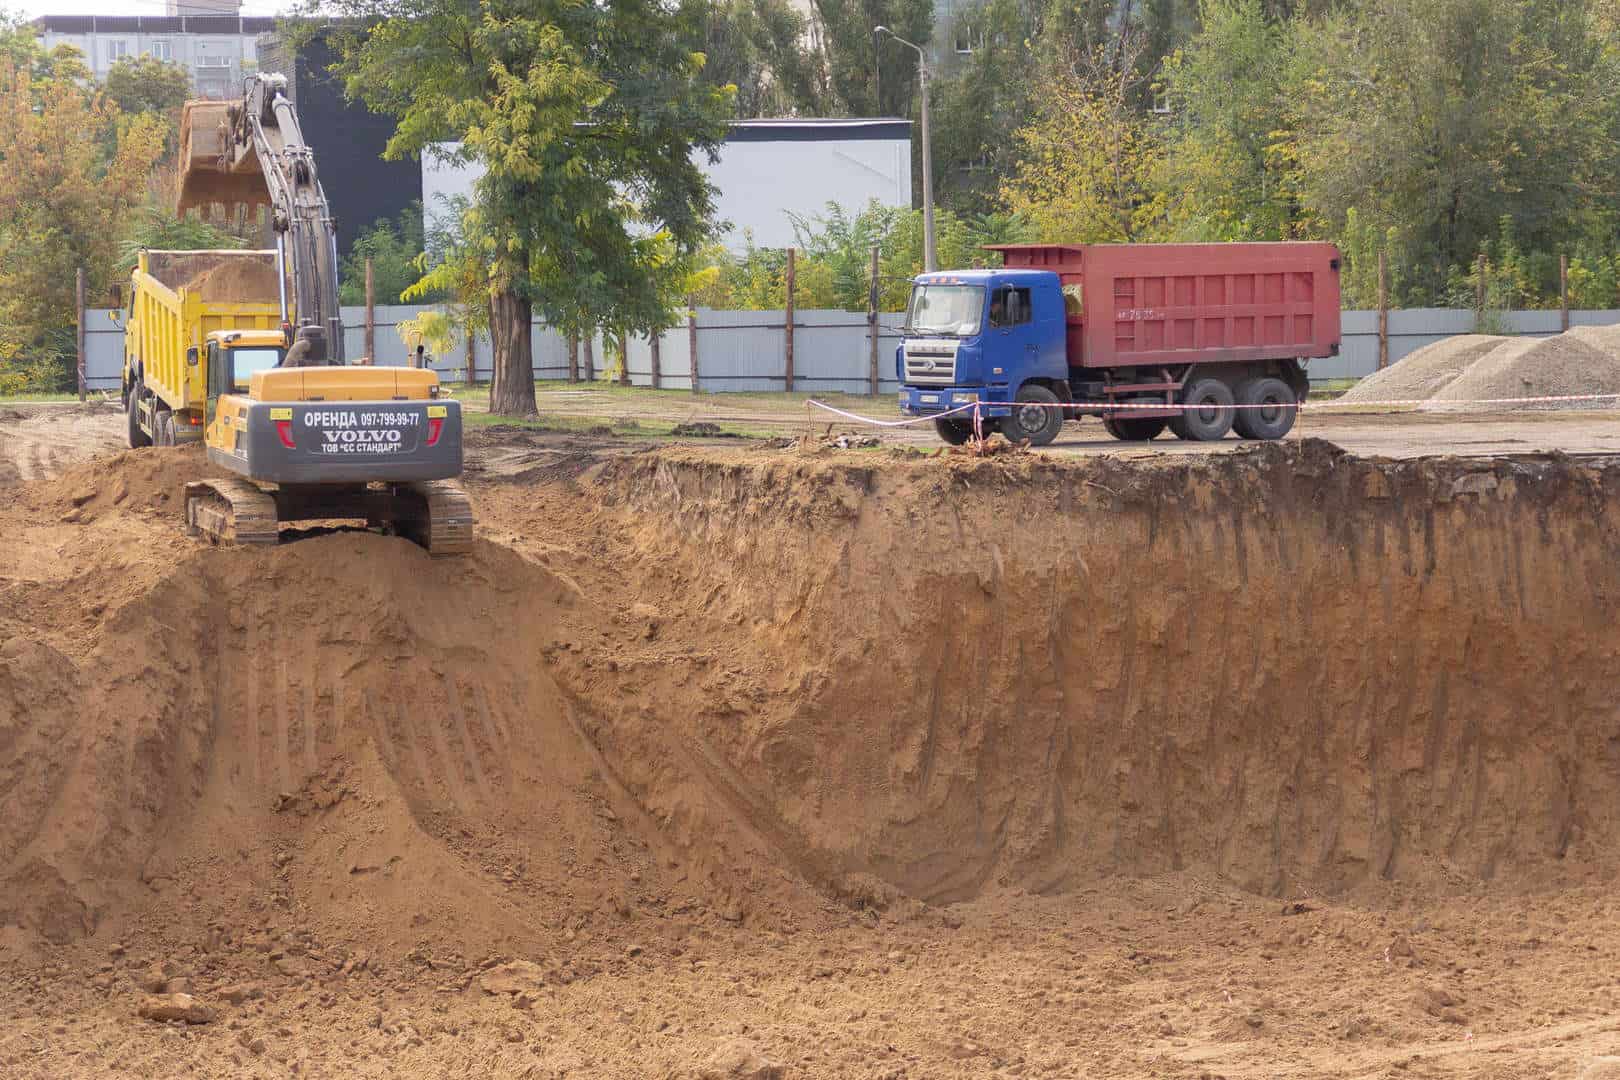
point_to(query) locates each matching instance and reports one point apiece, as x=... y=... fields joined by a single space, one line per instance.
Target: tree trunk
x=590 y=356
x=512 y=389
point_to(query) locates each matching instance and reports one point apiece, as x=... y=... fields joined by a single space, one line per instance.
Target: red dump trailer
x=1194 y=328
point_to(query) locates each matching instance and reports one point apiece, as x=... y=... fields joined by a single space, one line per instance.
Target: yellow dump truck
x=178 y=301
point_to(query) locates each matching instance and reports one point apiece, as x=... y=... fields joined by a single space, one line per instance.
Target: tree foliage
x=73 y=173
x=1088 y=161
x=585 y=119
x=145 y=84
x=395 y=249
x=833 y=262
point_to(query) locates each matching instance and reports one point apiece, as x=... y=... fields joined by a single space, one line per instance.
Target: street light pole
x=929 y=262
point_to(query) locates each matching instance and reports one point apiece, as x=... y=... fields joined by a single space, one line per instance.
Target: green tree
x=1089 y=157
x=1230 y=171
x=757 y=46
x=862 y=75
x=145 y=84
x=65 y=190
x=1436 y=117
x=394 y=248
x=584 y=118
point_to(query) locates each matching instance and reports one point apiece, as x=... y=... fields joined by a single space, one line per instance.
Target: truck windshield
x=946 y=309
x=244 y=362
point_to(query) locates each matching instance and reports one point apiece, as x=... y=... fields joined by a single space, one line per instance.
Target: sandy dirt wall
x=1293 y=669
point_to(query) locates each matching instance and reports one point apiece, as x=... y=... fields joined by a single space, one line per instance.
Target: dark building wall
x=348 y=140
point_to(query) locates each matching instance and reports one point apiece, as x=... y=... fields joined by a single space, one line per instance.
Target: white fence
x=746 y=350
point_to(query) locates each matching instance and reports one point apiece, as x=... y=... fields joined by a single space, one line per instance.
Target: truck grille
x=931 y=362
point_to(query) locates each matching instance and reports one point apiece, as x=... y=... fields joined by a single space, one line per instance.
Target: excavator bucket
x=209 y=173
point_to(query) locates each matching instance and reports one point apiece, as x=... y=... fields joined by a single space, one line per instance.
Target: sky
x=31 y=8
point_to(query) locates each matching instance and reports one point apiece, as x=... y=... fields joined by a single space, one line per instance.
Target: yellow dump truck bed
x=177 y=299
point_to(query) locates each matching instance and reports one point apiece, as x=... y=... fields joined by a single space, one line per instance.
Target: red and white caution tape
x=1164 y=407
x=930 y=418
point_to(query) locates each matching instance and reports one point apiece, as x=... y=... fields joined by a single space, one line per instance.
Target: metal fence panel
x=744 y=350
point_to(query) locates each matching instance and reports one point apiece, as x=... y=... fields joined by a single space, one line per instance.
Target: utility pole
x=927 y=151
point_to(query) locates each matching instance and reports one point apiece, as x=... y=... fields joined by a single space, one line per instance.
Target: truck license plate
x=929 y=399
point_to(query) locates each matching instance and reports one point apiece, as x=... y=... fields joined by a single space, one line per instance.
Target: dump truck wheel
x=954 y=431
x=132 y=415
x=1277 y=408
x=1036 y=420
x=1134 y=428
x=1212 y=418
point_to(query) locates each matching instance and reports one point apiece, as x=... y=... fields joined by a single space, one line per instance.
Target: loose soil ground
x=740 y=760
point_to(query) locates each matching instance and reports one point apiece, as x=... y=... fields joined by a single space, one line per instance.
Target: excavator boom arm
x=252 y=152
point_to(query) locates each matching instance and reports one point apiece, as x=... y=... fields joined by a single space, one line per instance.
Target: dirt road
x=37 y=441
x=748 y=761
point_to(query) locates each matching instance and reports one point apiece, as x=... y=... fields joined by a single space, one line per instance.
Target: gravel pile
x=1568 y=363
x=1423 y=372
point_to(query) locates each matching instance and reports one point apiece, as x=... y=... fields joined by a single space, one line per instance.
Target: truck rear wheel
x=1211 y=417
x=954 y=431
x=132 y=416
x=1272 y=408
x=1134 y=428
x=1034 y=416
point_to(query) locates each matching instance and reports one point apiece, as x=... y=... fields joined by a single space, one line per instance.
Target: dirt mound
x=241 y=280
x=1423 y=372
x=1562 y=365
x=737 y=687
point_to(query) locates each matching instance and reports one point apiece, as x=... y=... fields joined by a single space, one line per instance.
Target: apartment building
x=216 y=47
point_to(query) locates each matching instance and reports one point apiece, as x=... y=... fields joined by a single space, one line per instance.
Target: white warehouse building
x=768 y=172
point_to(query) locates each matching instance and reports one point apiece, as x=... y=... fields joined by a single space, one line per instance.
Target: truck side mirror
x=191 y=357
x=112 y=317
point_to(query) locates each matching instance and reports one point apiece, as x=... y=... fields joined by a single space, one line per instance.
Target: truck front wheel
x=1272 y=408
x=1034 y=416
x=954 y=431
x=132 y=416
x=1210 y=417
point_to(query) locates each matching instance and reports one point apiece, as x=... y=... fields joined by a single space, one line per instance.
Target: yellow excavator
x=243 y=351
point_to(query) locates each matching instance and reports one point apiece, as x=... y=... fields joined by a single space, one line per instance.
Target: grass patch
x=93 y=397
x=615 y=426
x=477 y=397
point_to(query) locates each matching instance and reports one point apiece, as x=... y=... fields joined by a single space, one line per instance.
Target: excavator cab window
x=244 y=362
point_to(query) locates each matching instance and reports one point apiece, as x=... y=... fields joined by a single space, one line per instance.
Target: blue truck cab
x=981 y=336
